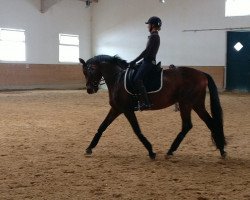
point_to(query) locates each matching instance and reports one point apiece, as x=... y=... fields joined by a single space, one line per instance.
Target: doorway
x=238 y=61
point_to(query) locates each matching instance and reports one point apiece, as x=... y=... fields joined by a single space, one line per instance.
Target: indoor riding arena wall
x=40 y=76
x=62 y=76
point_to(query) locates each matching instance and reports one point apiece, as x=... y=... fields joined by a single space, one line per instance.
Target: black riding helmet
x=154 y=21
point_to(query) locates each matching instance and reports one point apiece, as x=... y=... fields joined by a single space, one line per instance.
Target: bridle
x=94 y=83
x=90 y=74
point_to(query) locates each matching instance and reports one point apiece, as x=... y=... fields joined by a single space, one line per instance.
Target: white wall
x=118 y=28
x=42 y=29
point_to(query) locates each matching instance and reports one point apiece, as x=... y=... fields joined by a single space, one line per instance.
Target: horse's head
x=92 y=74
x=101 y=66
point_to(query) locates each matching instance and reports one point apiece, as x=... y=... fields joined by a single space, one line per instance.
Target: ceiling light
x=88 y=3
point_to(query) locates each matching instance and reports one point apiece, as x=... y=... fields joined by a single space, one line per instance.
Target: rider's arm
x=152 y=42
x=141 y=56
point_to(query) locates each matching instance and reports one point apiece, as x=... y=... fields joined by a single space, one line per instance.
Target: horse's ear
x=82 y=61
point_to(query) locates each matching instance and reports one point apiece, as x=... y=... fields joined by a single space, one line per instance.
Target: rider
x=148 y=56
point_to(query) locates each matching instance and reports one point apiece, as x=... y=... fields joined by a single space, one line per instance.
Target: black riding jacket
x=153 y=44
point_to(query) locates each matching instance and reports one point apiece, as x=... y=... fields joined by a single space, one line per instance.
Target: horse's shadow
x=183 y=161
x=231 y=166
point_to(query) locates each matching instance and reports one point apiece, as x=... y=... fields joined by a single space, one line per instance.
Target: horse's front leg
x=134 y=123
x=112 y=115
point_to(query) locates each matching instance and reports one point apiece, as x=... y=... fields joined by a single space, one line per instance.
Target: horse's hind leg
x=134 y=123
x=203 y=114
x=112 y=115
x=186 y=126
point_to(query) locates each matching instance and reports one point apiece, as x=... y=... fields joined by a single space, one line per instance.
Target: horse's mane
x=109 y=59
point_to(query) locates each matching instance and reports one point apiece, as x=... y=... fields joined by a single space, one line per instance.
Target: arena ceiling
x=46 y=4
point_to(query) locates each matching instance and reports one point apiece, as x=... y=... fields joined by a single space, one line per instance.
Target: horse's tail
x=217 y=114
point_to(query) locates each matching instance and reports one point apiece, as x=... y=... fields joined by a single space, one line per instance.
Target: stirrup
x=142 y=106
x=145 y=106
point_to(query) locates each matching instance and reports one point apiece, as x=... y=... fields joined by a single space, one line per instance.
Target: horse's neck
x=111 y=74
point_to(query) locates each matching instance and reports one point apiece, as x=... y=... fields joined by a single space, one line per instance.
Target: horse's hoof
x=152 y=156
x=88 y=153
x=168 y=155
x=224 y=155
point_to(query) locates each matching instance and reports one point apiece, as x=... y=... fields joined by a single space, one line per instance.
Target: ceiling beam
x=46 y=4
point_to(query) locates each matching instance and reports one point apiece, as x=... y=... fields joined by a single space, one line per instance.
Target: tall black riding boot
x=143 y=94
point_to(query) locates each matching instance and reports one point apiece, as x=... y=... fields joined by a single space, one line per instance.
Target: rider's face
x=150 y=27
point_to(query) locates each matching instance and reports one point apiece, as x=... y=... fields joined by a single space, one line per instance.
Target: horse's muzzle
x=91 y=89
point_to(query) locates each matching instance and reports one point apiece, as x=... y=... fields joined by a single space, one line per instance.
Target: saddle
x=152 y=82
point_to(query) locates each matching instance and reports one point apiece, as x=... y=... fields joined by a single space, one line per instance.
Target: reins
x=102 y=81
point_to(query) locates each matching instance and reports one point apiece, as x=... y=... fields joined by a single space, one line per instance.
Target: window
x=237 y=8
x=12 y=45
x=68 y=48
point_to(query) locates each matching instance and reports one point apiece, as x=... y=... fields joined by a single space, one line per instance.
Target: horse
x=184 y=85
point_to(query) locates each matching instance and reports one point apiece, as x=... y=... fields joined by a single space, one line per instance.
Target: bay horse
x=184 y=85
